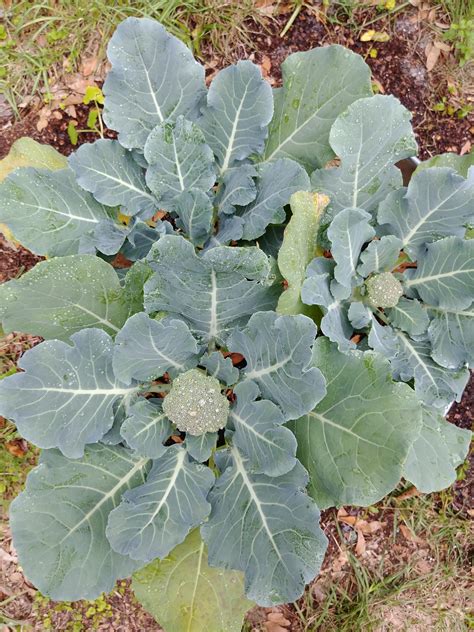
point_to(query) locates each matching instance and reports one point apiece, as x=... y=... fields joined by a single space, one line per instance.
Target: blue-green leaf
x=348 y=232
x=220 y=367
x=318 y=85
x=145 y=428
x=58 y=522
x=276 y=182
x=238 y=109
x=409 y=315
x=213 y=293
x=61 y=296
x=145 y=349
x=278 y=350
x=113 y=177
x=437 y=203
x=156 y=516
x=269 y=447
x=369 y=138
x=179 y=160
x=266 y=527
x=47 y=211
x=65 y=396
x=432 y=460
x=153 y=78
x=355 y=442
x=195 y=213
x=444 y=276
x=381 y=255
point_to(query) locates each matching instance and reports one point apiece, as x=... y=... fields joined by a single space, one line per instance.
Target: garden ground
x=400 y=565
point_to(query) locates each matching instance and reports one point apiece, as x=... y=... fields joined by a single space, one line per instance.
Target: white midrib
x=230 y=145
x=213 y=307
x=241 y=421
x=174 y=477
x=85 y=391
x=56 y=212
x=435 y=277
x=196 y=581
x=97 y=317
x=110 y=494
x=418 y=358
x=154 y=421
x=424 y=219
x=256 y=373
x=255 y=499
x=124 y=183
x=325 y=420
x=178 y=165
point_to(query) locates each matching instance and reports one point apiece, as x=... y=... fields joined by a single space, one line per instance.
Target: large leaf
x=58 y=522
x=355 y=442
x=266 y=527
x=277 y=350
x=348 y=232
x=411 y=358
x=299 y=247
x=277 y=181
x=146 y=428
x=64 y=295
x=433 y=458
x=437 y=203
x=145 y=349
x=259 y=435
x=156 y=516
x=26 y=152
x=153 y=78
x=445 y=273
x=111 y=174
x=184 y=593
x=65 y=396
x=369 y=138
x=214 y=292
x=238 y=109
x=451 y=333
x=47 y=211
x=318 y=85
x=179 y=160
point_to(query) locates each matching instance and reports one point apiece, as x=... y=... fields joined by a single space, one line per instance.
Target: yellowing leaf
x=184 y=593
x=26 y=152
x=299 y=247
x=390 y=4
x=374 y=36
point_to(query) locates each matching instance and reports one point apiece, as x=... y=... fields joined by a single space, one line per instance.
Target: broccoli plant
x=192 y=421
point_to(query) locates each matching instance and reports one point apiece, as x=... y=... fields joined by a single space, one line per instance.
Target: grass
x=42 y=41
x=384 y=592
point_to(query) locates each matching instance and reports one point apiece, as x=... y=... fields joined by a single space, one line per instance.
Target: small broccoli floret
x=195 y=403
x=384 y=290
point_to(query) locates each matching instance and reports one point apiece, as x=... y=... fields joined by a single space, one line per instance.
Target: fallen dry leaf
x=17 y=447
x=339 y=562
x=276 y=622
x=409 y=535
x=432 y=53
x=360 y=547
x=266 y=65
x=89 y=66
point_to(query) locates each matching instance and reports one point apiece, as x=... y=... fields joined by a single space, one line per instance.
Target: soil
x=400 y=70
